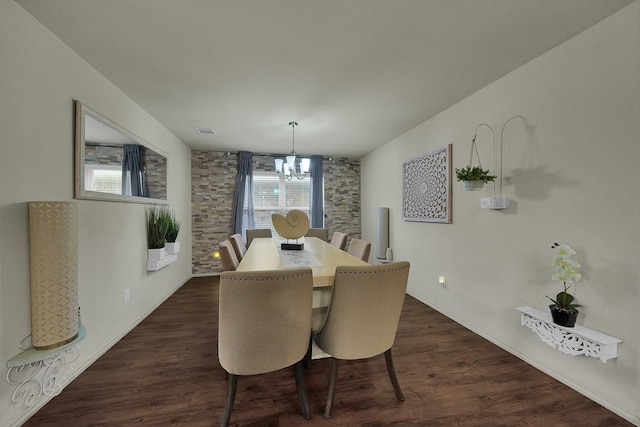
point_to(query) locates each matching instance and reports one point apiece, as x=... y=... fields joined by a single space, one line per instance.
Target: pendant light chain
x=293 y=137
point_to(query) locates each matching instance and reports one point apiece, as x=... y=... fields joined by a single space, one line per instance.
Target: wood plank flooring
x=165 y=372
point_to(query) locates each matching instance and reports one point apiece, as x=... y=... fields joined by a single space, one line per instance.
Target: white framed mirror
x=113 y=164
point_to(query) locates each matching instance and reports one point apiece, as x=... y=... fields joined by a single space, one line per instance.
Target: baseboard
x=22 y=418
x=632 y=418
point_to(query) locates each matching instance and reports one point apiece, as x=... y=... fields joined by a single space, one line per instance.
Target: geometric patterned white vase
x=53 y=260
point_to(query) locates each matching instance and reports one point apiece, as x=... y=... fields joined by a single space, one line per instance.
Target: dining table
x=265 y=253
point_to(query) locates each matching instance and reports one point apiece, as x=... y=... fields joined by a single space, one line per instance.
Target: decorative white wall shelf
x=39 y=373
x=153 y=265
x=575 y=341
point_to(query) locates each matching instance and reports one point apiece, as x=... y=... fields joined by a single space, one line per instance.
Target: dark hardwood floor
x=165 y=372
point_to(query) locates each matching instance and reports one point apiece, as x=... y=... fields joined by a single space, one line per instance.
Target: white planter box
x=172 y=248
x=153 y=265
x=156 y=254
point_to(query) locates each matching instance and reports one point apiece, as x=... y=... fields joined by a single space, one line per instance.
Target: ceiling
x=354 y=74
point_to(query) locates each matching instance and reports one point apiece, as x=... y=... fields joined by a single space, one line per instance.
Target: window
x=103 y=178
x=272 y=194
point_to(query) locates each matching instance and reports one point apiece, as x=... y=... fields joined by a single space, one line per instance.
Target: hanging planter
x=473 y=177
x=473 y=185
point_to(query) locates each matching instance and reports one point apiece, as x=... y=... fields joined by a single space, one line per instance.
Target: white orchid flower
x=565 y=251
x=567 y=266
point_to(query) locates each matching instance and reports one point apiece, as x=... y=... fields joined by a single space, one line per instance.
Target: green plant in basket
x=474 y=173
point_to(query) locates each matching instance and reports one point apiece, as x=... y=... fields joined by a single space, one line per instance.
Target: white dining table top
x=322 y=257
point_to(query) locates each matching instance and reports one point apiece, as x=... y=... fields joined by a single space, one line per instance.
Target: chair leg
x=231 y=397
x=307 y=357
x=302 y=392
x=332 y=387
x=392 y=375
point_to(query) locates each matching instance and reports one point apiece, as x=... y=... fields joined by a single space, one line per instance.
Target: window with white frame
x=272 y=194
x=103 y=178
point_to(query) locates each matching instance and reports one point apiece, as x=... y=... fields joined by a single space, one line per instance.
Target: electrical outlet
x=126 y=295
x=443 y=281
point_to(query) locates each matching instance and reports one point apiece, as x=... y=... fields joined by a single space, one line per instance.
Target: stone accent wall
x=96 y=154
x=213 y=175
x=212 y=185
x=156 y=174
x=342 y=196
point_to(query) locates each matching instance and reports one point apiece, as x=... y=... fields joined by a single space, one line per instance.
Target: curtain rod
x=278 y=155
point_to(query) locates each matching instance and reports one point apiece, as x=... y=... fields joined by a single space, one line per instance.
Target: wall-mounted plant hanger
x=474 y=177
x=476 y=172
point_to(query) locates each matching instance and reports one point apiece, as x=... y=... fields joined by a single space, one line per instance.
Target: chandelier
x=288 y=170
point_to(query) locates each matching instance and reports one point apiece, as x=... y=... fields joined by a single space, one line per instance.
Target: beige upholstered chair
x=360 y=249
x=339 y=240
x=238 y=246
x=264 y=326
x=320 y=233
x=228 y=256
x=362 y=318
x=257 y=232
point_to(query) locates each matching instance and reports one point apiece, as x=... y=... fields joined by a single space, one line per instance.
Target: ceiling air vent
x=206 y=131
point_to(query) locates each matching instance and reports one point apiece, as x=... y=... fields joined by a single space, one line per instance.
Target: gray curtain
x=317 y=200
x=133 y=179
x=244 y=183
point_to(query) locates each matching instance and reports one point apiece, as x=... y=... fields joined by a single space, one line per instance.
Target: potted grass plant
x=157 y=226
x=172 y=246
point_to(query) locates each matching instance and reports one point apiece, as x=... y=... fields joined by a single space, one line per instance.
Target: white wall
x=573 y=180
x=39 y=78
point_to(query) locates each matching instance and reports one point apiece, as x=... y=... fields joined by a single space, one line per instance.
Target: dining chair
x=339 y=240
x=362 y=318
x=320 y=233
x=264 y=325
x=360 y=249
x=257 y=232
x=228 y=256
x=238 y=246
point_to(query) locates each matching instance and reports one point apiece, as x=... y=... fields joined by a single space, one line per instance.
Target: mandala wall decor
x=426 y=187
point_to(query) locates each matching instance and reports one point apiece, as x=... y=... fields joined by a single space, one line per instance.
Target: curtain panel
x=133 y=179
x=243 y=193
x=317 y=197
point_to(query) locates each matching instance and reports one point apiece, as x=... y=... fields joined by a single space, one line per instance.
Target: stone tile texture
x=212 y=185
